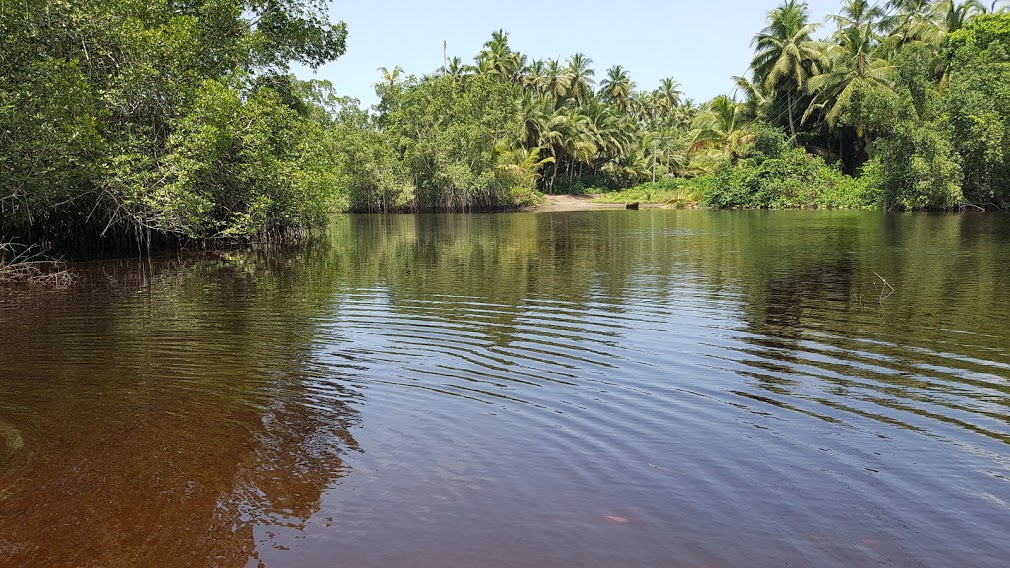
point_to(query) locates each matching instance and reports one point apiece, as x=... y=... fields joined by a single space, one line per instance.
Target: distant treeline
x=127 y=123
x=903 y=105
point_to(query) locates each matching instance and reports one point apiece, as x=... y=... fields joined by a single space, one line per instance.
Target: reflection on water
x=647 y=388
x=167 y=412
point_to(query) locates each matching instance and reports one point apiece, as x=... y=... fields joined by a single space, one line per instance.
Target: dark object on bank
x=632 y=205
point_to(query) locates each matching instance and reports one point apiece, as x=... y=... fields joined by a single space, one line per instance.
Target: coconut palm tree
x=456 y=69
x=618 y=87
x=669 y=91
x=498 y=54
x=940 y=18
x=391 y=77
x=846 y=65
x=571 y=139
x=534 y=75
x=684 y=115
x=534 y=114
x=522 y=161
x=759 y=100
x=786 y=55
x=646 y=107
x=903 y=14
x=720 y=125
x=859 y=14
x=610 y=129
x=557 y=81
x=929 y=23
x=581 y=76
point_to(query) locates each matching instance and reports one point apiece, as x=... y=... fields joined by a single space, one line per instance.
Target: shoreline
x=570 y=202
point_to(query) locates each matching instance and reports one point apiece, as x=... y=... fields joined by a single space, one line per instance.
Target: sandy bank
x=579 y=203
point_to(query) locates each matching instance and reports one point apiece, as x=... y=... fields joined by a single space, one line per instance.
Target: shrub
x=770 y=173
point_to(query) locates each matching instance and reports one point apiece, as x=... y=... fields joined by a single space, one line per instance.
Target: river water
x=607 y=388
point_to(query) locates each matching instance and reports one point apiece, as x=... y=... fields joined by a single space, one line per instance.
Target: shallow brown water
x=607 y=388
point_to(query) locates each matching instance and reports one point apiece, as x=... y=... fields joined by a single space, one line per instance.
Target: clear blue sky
x=699 y=44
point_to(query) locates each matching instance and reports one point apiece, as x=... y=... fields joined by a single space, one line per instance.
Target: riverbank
x=587 y=202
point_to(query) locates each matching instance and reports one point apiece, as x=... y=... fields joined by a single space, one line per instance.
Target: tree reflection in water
x=172 y=413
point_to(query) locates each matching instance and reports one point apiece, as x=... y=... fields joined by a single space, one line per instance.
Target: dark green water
x=610 y=388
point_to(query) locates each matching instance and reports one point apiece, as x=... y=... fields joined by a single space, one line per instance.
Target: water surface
x=654 y=388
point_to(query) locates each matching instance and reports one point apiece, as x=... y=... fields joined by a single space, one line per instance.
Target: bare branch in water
x=885 y=290
x=29 y=263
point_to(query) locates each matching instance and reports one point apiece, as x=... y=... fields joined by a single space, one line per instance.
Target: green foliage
x=977 y=103
x=983 y=31
x=669 y=191
x=130 y=121
x=370 y=169
x=918 y=167
x=920 y=89
x=49 y=139
x=770 y=173
x=235 y=167
x=126 y=120
x=913 y=156
x=447 y=132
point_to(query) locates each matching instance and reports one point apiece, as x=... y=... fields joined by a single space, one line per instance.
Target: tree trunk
x=792 y=125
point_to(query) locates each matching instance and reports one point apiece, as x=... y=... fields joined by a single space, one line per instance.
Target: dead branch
x=29 y=263
x=885 y=290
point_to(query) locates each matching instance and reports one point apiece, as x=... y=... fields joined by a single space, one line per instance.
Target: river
x=585 y=389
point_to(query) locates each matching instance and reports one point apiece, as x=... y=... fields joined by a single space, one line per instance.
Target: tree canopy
x=127 y=122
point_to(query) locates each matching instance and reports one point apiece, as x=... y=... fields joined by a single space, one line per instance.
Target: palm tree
x=610 y=129
x=670 y=92
x=859 y=14
x=759 y=100
x=522 y=161
x=646 y=107
x=618 y=87
x=685 y=114
x=950 y=16
x=847 y=64
x=557 y=81
x=786 y=55
x=571 y=140
x=903 y=15
x=720 y=125
x=534 y=114
x=456 y=69
x=483 y=64
x=392 y=77
x=581 y=76
x=498 y=55
x=533 y=76
x=633 y=168
x=929 y=23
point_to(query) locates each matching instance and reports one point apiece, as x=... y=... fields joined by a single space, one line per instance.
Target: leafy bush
x=131 y=121
x=668 y=191
x=913 y=160
x=771 y=173
x=447 y=133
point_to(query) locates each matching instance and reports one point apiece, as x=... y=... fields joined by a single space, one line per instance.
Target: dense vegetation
x=124 y=122
x=901 y=105
x=911 y=94
x=127 y=121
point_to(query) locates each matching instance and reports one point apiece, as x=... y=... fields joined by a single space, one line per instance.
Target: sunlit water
x=613 y=388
